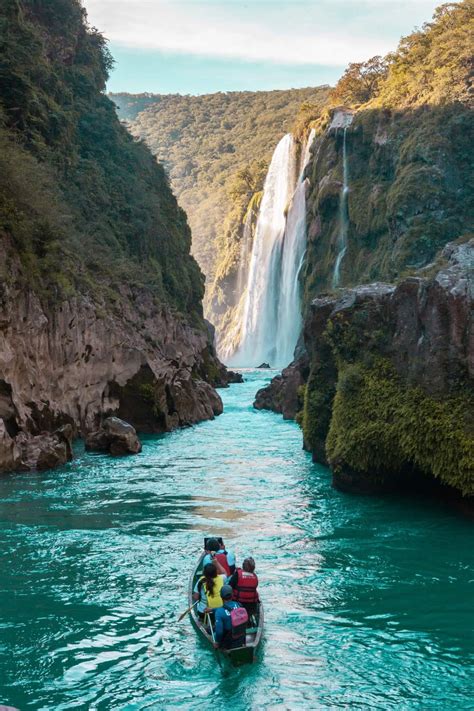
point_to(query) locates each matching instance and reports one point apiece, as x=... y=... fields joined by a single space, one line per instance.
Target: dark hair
x=248 y=565
x=213 y=545
x=210 y=575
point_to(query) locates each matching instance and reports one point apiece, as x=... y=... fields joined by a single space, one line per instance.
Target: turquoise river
x=368 y=600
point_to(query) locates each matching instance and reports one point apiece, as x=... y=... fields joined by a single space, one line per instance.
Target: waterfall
x=294 y=247
x=271 y=318
x=343 y=213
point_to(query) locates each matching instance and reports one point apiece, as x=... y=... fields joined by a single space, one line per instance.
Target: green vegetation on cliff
x=83 y=204
x=433 y=65
x=204 y=141
x=409 y=156
x=381 y=426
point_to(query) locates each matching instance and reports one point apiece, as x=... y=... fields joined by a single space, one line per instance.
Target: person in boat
x=244 y=583
x=217 y=551
x=230 y=622
x=208 y=588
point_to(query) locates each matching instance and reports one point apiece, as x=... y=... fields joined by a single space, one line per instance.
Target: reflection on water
x=368 y=601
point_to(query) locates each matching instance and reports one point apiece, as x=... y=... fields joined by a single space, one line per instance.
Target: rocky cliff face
x=100 y=299
x=389 y=397
x=409 y=178
x=80 y=361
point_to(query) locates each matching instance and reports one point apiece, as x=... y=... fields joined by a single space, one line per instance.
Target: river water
x=368 y=600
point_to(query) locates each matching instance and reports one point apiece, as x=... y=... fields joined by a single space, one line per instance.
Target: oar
x=214 y=640
x=186 y=612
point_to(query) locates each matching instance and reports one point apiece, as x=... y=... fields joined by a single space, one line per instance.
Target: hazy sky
x=198 y=46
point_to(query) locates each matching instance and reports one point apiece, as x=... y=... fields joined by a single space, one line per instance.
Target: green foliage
x=381 y=426
x=433 y=65
x=360 y=82
x=411 y=183
x=85 y=205
x=204 y=141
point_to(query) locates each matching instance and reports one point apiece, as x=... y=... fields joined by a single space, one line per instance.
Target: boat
x=239 y=655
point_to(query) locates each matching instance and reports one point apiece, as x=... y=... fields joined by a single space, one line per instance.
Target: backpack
x=238 y=620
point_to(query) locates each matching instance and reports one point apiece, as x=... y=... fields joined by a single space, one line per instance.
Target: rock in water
x=116 y=437
x=233 y=377
x=284 y=393
x=263 y=366
x=45 y=450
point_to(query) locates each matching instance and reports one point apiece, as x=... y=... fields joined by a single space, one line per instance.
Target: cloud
x=295 y=32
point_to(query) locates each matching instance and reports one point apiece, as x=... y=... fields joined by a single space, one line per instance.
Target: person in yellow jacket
x=208 y=588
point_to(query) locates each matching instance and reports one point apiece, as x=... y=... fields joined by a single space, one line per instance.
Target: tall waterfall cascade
x=271 y=314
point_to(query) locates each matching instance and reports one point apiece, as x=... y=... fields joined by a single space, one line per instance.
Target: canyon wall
x=100 y=299
x=388 y=394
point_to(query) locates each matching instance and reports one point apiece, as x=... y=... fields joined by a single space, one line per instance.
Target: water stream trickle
x=343 y=214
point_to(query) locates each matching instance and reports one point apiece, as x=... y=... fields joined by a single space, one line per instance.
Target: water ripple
x=368 y=601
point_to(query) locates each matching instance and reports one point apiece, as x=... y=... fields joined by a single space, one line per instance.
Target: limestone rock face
x=79 y=361
x=389 y=381
x=116 y=437
x=45 y=450
x=410 y=348
x=283 y=394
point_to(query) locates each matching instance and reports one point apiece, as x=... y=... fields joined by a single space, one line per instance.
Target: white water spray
x=294 y=247
x=343 y=214
x=271 y=319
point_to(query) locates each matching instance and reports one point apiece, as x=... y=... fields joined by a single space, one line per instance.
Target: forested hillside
x=204 y=141
x=100 y=299
x=83 y=202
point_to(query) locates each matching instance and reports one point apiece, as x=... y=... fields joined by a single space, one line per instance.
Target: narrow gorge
x=242 y=314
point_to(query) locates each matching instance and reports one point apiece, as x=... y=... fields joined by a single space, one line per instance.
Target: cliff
x=100 y=300
x=409 y=193
x=384 y=389
x=388 y=401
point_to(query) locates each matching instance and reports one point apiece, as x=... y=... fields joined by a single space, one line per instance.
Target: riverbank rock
x=79 y=360
x=45 y=450
x=115 y=437
x=389 y=396
x=285 y=393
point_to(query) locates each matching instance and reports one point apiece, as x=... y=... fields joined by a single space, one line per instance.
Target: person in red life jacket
x=217 y=551
x=230 y=622
x=244 y=582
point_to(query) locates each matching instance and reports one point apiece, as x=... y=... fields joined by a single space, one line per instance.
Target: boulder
x=284 y=393
x=233 y=377
x=45 y=450
x=115 y=437
x=263 y=366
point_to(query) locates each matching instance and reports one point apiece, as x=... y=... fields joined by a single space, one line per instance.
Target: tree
x=360 y=82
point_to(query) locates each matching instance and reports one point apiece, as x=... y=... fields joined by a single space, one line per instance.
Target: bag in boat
x=239 y=619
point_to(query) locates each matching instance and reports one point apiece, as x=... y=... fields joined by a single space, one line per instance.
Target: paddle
x=186 y=612
x=214 y=640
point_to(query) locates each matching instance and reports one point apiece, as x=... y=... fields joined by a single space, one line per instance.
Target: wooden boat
x=239 y=655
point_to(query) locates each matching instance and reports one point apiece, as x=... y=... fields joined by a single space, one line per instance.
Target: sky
x=203 y=46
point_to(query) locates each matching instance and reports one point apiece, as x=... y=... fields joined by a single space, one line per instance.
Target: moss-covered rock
x=383 y=428
x=390 y=393
x=410 y=192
